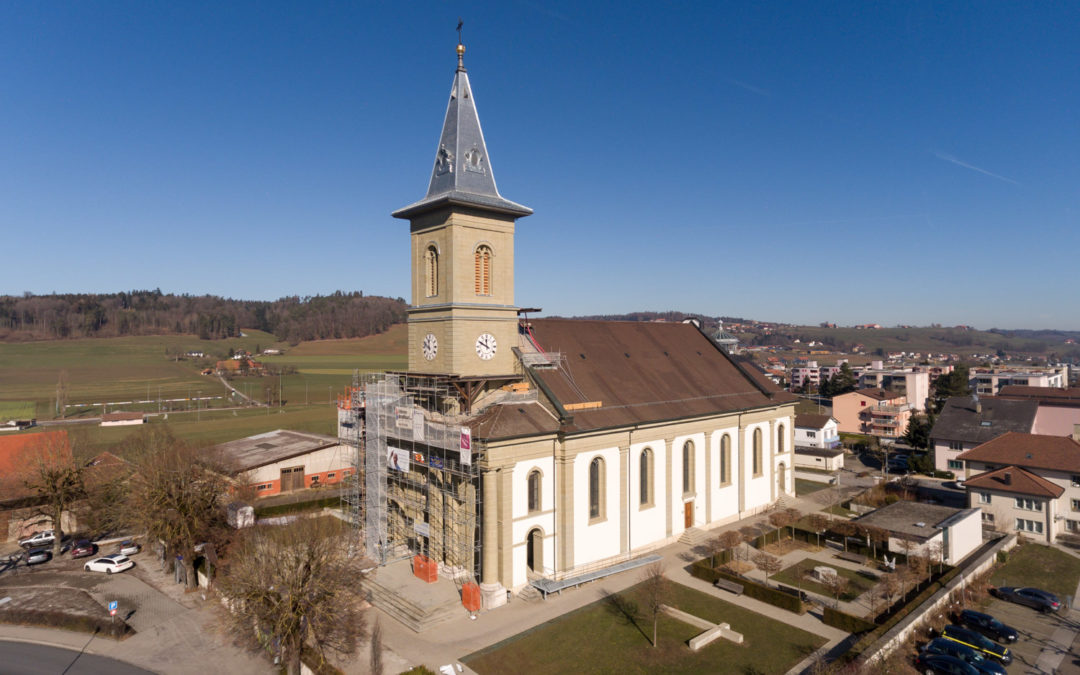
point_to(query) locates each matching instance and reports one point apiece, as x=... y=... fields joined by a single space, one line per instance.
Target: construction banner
x=466 y=446
x=397 y=459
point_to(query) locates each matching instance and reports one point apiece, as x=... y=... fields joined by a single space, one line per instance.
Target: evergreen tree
x=949 y=385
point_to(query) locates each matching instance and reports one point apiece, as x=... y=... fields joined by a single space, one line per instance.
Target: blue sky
x=904 y=162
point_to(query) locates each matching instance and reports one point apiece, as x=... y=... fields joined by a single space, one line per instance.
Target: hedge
x=846 y=622
x=751 y=589
x=905 y=608
x=107 y=626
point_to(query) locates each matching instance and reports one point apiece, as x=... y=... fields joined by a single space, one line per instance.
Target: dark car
x=1044 y=601
x=36 y=556
x=965 y=654
x=988 y=626
x=83 y=548
x=942 y=663
x=984 y=646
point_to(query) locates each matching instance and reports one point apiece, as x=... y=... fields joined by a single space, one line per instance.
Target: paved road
x=24 y=658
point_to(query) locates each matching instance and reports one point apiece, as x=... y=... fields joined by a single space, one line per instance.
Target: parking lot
x=1038 y=632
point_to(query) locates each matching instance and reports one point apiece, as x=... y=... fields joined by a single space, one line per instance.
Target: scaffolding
x=413 y=490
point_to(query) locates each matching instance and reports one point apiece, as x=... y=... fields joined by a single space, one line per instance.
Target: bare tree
x=655 y=589
x=177 y=496
x=888 y=587
x=295 y=589
x=376 y=664
x=844 y=528
x=794 y=515
x=920 y=568
x=62 y=394
x=768 y=564
x=937 y=553
x=876 y=535
x=749 y=536
x=51 y=473
x=779 y=520
x=730 y=540
x=837 y=585
x=817 y=523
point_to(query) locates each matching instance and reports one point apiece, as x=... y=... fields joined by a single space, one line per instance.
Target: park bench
x=852 y=557
x=735 y=588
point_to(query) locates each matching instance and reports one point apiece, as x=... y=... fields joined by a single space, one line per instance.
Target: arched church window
x=757 y=452
x=483 y=270
x=780 y=439
x=534 y=490
x=725 y=459
x=596 y=488
x=431 y=268
x=645 y=491
x=687 y=467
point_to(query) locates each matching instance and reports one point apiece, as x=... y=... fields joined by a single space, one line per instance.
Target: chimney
x=1007 y=477
x=1076 y=433
x=978 y=404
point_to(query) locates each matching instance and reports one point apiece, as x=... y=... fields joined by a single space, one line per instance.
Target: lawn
x=602 y=638
x=1041 y=566
x=805 y=487
x=857 y=584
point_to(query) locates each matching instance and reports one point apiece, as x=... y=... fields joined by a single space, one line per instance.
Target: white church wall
x=524 y=521
x=599 y=539
x=725 y=497
x=648 y=525
x=787 y=458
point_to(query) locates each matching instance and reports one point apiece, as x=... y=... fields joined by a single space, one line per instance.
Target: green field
x=145 y=373
x=1041 y=566
x=612 y=636
x=17 y=410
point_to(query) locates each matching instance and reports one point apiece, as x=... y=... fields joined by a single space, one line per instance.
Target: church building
x=591 y=442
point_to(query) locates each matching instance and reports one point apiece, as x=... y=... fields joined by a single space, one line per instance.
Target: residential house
x=816 y=431
x=969 y=421
x=875 y=411
x=911 y=381
x=1059 y=409
x=1027 y=483
x=119 y=419
x=811 y=374
x=989 y=381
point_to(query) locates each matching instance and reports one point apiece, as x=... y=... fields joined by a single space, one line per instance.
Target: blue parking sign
x=112 y=608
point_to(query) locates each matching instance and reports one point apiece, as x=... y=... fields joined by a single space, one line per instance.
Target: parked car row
x=39 y=551
x=976 y=643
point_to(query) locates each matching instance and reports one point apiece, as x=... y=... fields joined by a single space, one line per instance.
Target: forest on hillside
x=291 y=319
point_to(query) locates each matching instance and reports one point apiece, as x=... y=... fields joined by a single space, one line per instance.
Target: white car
x=129 y=547
x=109 y=564
x=38 y=539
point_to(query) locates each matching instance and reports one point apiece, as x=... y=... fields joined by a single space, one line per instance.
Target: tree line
x=211 y=317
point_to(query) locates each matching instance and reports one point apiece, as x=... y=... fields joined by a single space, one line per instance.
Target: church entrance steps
x=694 y=536
x=418 y=605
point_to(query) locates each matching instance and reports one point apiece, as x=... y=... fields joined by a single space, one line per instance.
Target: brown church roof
x=1019 y=481
x=638 y=372
x=1033 y=451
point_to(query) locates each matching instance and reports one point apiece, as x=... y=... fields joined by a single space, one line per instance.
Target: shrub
x=846 y=622
x=752 y=589
x=1002 y=556
x=107 y=626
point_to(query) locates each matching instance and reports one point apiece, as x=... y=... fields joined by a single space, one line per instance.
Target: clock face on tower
x=485 y=346
x=430 y=346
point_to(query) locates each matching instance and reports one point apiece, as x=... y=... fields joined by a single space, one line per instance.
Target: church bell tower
x=462 y=318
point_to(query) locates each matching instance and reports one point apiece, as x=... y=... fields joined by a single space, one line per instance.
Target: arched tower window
x=482 y=270
x=757 y=452
x=645 y=491
x=780 y=439
x=431 y=269
x=725 y=459
x=534 y=490
x=596 y=488
x=687 y=467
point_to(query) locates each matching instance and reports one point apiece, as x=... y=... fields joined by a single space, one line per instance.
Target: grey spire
x=462 y=172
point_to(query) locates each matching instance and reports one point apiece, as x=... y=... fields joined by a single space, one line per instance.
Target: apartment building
x=967 y=422
x=874 y=411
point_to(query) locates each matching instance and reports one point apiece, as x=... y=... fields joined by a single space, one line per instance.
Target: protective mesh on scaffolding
x=414 y=494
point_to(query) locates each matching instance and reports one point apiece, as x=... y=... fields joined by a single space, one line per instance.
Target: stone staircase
x=417 y=616
x=694 y=536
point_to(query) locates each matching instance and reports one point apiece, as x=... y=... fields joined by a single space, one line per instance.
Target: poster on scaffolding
x=403 y=417
x=466 y=446
x=397 y=459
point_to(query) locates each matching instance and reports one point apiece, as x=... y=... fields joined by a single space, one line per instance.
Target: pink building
x=872 y=411
x=1059 y=409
